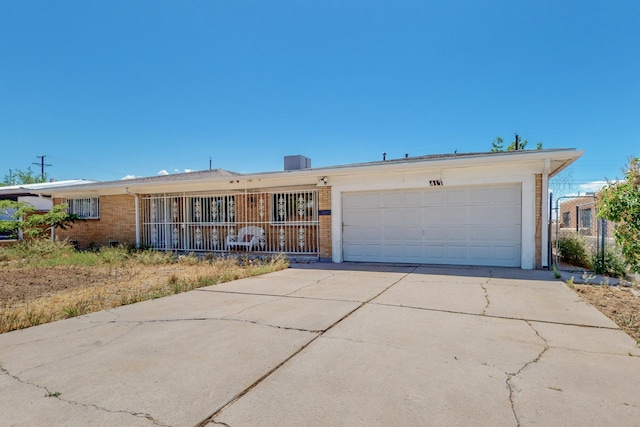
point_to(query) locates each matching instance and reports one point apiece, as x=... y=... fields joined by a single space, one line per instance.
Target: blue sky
x=109 y=89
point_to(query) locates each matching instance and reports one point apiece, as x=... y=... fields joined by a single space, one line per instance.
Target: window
x=293 y=207
x=88 y=208
x=566 y=219
x=213 y=209
x=585 y=218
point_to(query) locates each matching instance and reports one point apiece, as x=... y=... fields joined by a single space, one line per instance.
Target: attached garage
x=475 y=225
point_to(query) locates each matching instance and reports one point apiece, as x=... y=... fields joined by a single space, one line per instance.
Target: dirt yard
x=620 y=304
x=25 y=286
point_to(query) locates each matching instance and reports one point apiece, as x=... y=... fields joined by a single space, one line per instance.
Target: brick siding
x=116 y=224
x=539 y=221
x=324 y=204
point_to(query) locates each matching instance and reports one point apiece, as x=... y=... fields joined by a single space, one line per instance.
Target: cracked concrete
x=324 y=344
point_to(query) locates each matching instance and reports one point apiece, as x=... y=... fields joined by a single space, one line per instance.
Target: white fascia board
x=310 y=176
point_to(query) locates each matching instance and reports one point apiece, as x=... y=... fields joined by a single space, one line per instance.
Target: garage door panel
x=392 y=216
x=480 y=196
x=391 y=199
x=457 y=253
x=468 y=226
x=457 y=233
x=506 y=194
x=481 y=214
x=403 y=234
x=481 y=233
x=504 y=233
x=506 y=214
x=413 y=198
x=454 y=215
x=352 y=216
x=507 y=255
x=432 y=214
x=363 y=234
x=456 y=197
x=412 y=216
x=481 y=252
x=435 y=233
x=433 y=197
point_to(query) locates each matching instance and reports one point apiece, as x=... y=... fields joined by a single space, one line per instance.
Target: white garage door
x=461 y=226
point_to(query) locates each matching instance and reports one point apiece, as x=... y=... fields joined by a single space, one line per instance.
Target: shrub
x=612 y=265
x=572 y=251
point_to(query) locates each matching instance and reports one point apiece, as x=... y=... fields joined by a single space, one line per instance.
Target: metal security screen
x=269 y=222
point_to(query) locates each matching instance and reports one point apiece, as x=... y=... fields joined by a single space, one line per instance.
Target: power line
x=42 y=165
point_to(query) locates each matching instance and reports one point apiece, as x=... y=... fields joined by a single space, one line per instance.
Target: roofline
x=444 y=160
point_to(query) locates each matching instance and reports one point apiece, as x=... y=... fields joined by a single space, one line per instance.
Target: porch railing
x=267 y=222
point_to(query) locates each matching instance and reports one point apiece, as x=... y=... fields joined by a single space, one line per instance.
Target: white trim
x=544 y=216
x=527 y=253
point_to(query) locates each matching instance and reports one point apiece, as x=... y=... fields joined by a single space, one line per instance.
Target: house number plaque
x=435 y=182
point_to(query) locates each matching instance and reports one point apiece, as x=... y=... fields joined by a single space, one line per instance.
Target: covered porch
x=282 y=221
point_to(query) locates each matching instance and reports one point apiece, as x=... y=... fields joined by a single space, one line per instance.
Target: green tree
x=620 y=202
x=19 y=177
x=24 y=217
x=498 y=145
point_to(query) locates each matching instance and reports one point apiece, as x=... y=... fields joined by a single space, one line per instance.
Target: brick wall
x=116 y=224
x=324 y=204
x=539 y=221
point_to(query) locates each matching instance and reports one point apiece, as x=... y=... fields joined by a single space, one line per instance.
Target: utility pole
x=517 y=142
x=42 y=164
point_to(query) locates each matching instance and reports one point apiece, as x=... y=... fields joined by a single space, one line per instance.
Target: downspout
x=137 y=209
x=544 y=208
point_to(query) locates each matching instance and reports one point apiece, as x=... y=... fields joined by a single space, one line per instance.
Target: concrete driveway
x=332 y=345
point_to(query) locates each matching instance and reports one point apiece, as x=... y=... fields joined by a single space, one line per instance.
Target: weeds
x=115 y=277
x=570 y=283
x=586 y=276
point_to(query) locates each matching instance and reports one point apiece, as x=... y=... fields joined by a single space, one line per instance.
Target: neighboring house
x=463 y=209
x=33 y=194
x=579 y=214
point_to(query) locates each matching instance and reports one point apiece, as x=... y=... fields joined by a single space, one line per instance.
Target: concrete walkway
x=332 y=345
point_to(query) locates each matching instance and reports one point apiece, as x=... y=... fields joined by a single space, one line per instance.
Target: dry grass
x=108 y=285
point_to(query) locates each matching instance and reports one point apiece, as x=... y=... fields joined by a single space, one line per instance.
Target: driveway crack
x=511 y=375
x=486 y=297
x=211 y=418
x=57 y=395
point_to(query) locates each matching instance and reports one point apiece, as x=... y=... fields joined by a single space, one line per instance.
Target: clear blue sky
x=108 y=89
